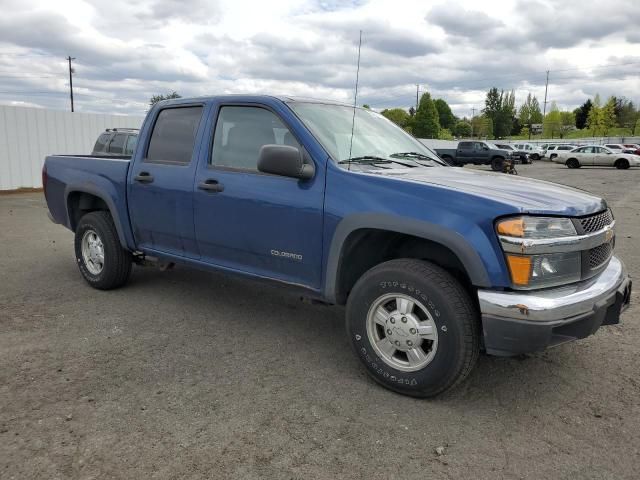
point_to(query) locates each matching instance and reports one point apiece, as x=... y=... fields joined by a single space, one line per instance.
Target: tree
x=482 y=126
x=608 y=115
x=158 y=98
x=426 y=123
x=412 y=111
x=398 y=116
x=582 y=113
x=530 y=112
x=446 y=118
x=445 y=134
x=500 y=108
x=462 y=129
x=366 y=105
x=552 y=122
x=567 y=123
x=594 y=119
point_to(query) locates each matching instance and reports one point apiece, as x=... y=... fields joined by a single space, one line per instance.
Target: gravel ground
x=186 y=374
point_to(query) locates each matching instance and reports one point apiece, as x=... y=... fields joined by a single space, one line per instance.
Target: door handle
x=211 y=185
x=144 y=177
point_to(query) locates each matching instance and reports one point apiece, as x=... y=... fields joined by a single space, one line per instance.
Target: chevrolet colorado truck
x=434 y=264
x=477 y=153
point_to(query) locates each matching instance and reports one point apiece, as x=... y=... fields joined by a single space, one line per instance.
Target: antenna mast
x=355 y=99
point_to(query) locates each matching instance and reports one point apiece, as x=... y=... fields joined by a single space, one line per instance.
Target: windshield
x=374 y=137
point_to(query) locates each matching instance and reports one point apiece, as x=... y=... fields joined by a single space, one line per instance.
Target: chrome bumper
x=562 y=303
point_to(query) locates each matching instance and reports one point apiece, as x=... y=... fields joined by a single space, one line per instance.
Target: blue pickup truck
x=434 y=264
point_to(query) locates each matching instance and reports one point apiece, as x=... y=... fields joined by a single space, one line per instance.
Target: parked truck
x=477 y=153
x=434 y=264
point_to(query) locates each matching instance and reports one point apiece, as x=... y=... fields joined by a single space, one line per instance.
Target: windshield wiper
x=366 y=159
x=372 y=159
x=417 y=155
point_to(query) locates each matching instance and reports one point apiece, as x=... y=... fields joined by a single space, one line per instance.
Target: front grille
x=600 y=255
x=596 y=222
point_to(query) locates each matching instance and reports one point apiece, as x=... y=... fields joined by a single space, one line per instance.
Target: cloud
x=455 y=20
x=127 y=51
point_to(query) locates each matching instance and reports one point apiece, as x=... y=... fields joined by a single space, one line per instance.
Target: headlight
x=541 y=270
x=536 y=227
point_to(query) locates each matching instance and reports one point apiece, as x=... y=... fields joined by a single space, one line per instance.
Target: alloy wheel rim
x=402 y=332
x=92 y=252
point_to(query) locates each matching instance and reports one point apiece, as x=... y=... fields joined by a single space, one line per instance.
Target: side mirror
x=284 y=160
x=485 y=148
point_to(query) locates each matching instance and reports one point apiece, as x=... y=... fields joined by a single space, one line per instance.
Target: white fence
x=27 y=135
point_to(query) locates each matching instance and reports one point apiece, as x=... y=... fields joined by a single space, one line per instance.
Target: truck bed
x=104 y=176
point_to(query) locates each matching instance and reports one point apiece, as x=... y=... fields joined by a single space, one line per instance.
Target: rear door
x=480 y=152
x=245 y=220
x=464 y=151
x=161 y=182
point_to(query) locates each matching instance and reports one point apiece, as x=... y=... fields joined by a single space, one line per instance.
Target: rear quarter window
x=101 y=142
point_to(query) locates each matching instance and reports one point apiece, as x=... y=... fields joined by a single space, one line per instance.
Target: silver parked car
x=116 y=142
x=596 y=155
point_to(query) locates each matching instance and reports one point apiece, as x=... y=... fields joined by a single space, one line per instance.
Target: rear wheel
x=497 y=163
x=414 y=327
x=572 y=163
x=622 y=164
x=103 y=262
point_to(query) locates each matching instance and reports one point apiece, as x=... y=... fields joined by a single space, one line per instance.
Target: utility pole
x=473 y=114
x=69 y=58
x=417 y=95
x=544 y=108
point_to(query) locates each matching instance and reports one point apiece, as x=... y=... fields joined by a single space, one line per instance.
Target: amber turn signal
x=513 y=227
x=520 y=269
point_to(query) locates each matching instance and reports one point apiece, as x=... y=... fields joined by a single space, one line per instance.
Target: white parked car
x=592 y=155
x=535 y=152
x=552 y=150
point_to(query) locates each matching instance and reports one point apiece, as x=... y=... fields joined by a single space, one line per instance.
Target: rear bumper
x=523 y=322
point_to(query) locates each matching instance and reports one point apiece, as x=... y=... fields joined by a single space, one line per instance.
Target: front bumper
x=522 y=322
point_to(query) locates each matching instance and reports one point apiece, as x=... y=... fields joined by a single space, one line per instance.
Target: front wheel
x=535 y=156
x=414 y=327
x=572 y=163
x=497 y=164
x=103 y=262
x=622 y=164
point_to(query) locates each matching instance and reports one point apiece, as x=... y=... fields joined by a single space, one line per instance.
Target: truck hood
x=526 y=194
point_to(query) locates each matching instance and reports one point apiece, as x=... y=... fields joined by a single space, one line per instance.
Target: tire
x=535 y=156
x=622 y=164
x=98 y=229
x=443 y=311
x=552 y=156
x=497 y=164
x=572 y=163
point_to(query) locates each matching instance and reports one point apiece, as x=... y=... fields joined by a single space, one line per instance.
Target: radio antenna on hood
x=355 y=100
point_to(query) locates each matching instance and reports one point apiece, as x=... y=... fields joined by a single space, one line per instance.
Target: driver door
x=248 y=221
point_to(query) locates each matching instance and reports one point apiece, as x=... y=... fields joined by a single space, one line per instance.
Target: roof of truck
x=250 y=97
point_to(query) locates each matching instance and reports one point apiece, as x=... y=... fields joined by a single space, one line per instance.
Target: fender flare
x=102 y=196
x=429 y=231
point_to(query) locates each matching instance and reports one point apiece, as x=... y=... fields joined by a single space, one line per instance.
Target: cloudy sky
x=127 y=50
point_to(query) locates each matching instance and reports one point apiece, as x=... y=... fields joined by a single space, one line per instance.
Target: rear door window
x=117 y=143
x=174 y=135
x=465 y=145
